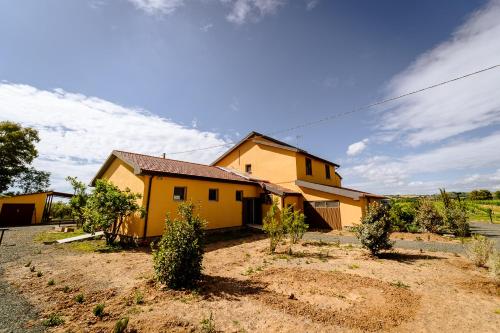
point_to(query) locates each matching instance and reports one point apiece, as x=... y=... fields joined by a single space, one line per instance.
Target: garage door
x=323 y=214
x=16 y=214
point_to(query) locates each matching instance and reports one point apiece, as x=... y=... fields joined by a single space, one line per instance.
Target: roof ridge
x=164 y=158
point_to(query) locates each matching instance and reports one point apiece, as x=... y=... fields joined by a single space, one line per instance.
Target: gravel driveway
x=15 y=310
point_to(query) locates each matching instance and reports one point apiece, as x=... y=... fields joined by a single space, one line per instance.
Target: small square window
x=248 y=168
x=180 y=193
x=309 y=169
x=239 y=195
x=213 y=194
x=327 y=171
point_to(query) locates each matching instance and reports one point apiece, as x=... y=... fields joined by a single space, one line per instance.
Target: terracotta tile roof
x=158 y=165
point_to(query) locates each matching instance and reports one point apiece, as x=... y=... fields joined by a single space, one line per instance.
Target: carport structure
x=26 y=209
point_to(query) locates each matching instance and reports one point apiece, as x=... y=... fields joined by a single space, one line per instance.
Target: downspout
x=147 y=208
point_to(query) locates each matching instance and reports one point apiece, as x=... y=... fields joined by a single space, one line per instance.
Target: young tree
x=108 y=207
x=273 y=226
x=177 y=259
x=295 y=225
x=17 y=151
x=33 y=181
x=79 y=199
x=375 y=229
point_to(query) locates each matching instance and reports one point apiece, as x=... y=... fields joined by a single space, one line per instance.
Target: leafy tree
x=375 y=228
x=497 y=195
x=428 y=217
x=108 y=207
x=32 y=181
x=480 y=195
x=60 y=210
x=403 y=216
x=79 y=199
x=177 y=259
x=17 y=151
x=273 y=225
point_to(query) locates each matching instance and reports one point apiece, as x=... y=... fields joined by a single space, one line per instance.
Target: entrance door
x=16 y=214
x=323 y=214
x=252 y=211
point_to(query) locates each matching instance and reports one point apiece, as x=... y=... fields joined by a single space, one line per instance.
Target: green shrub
x=480 y=195
x=139 y=297
x=403 y=216
x=66 y=289
x=494 y=266
x=456 y=221
x=121 y=325
x=497 y=195
x=53 y=320
x=375 y=228
x=51 y=282
x=273 y=226
x=428 y=217
x=479 y=249
x=39 y=274
x=295 y=226
x=98 y=310
x=208 y=324
x=79 y=298
x=178 y=257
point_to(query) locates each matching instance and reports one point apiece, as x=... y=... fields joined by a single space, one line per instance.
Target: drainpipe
x=147 y=208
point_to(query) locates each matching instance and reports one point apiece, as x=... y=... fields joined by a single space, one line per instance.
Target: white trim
x=330 y=189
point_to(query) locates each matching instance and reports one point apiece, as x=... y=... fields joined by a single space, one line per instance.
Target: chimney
x=164 y=156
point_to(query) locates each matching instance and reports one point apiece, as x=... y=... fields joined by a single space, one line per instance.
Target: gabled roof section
x=267 y=140
x=145 y=164
x=343 y=191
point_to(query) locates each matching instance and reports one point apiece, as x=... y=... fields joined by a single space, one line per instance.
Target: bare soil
x=319 y=288
x=418 y=237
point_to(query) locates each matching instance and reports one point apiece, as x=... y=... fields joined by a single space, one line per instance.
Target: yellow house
x=238 y=187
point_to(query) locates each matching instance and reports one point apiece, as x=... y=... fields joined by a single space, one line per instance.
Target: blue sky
x=156 y=76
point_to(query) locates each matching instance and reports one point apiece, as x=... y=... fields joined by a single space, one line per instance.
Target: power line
x=341 y=114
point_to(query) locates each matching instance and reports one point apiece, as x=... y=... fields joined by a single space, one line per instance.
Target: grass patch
x=51 y=236
x=51 y=282
x=208 y=324
x=400 y=284
x=353 y=266
x=79 y=298
x=98 y=310
x=53 y=320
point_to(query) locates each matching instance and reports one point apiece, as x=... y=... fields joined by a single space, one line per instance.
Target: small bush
x=79 y=298
x=53 y=320
x=273 y=226
x=39 y=274
x=295 y=226
x=121 y=325
x=428 y=217
x=494 y=266
x=98 y=310
x=66 y=289
x=403 y=216
x=479 y=250
x=456 y=221
x=139 y=297
x=375 y=229
x=208 y=324
x=178 y=257
x=51 y=282
x=32 y=268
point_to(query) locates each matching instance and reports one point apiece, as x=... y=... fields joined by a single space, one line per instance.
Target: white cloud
x=207 y=27
x=311 y=4
x=243 y=10
x=460 y=106
x=357 y=147
x=78 y=132
x=157 y=7
x=395 y=174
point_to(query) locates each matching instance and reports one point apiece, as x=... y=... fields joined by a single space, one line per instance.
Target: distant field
x=477 y=208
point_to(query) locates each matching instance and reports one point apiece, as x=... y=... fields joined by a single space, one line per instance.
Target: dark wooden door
x=252 y=211
x=16 y=214
x=323 y=214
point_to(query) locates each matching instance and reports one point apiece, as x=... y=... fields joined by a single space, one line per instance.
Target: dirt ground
x=418 y=237
x=320 y=288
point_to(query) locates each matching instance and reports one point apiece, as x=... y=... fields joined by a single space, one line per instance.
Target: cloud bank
x=78 y=132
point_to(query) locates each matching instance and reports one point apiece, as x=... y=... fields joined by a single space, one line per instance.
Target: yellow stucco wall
x=224 y=213
x=38 y=199
x=268 y=163
x=318 y=172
